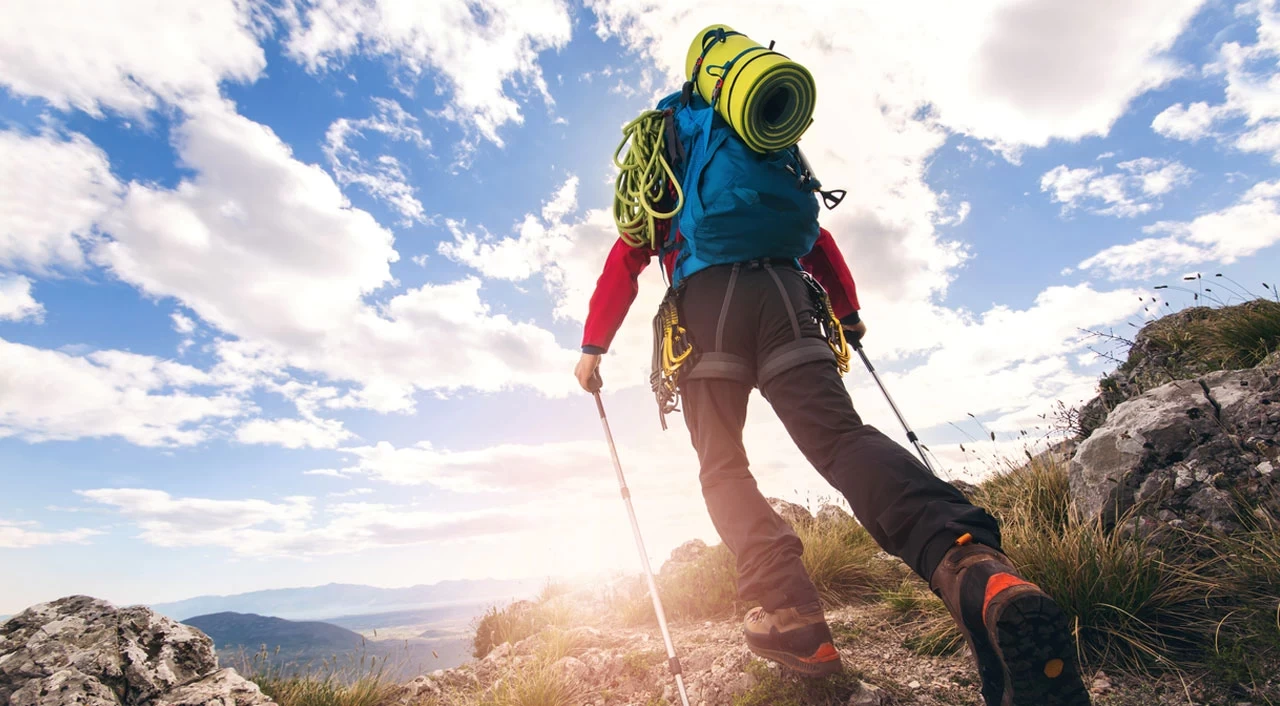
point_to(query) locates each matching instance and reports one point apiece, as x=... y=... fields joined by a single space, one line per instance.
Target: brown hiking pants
x=753 y=325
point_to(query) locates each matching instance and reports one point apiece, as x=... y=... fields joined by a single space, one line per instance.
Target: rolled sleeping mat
x=765 y=97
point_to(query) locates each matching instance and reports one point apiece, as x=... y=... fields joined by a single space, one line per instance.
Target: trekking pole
x=911 y=435
x=672 y=661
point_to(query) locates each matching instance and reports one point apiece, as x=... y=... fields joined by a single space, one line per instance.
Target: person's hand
x=588 y=372
x=854 y=333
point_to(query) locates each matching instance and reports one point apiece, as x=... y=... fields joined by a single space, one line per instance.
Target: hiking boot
x=797 y=638
x=1018 y=635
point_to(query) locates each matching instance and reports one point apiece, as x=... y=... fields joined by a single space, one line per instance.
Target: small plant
x=552 y=590
x=538 y=684
x=501 y=625
x=782 y=689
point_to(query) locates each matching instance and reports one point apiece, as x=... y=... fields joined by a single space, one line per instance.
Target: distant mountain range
x=254 y=631
x=336 y=599
x=245 y=640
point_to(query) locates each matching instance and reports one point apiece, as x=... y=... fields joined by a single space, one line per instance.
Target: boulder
x=691 y=550
x=833 y=514
x=795 y=515
x=81 y=650
x=1185 y=454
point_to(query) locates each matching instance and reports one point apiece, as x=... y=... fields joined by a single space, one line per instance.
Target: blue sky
x=290 y=292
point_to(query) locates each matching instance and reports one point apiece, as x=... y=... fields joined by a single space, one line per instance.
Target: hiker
x=743 y=289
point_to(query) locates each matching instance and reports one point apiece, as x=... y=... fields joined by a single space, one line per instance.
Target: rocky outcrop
x=1194 y=454
x=690 y=551
x=1165 y=351
x=84 y=651
x=833 y=514
x=795 y=515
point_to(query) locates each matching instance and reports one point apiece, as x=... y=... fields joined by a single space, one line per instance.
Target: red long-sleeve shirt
x=620 y=282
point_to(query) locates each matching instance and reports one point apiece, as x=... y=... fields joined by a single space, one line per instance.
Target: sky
x=291 y=291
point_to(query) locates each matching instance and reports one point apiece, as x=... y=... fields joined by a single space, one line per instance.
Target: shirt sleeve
x=615 y=291
x=828 y=266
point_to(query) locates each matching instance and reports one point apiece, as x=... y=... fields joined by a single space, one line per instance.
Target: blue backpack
x=739 y=204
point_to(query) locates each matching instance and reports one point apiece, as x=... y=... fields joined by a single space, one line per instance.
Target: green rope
x=642 y=181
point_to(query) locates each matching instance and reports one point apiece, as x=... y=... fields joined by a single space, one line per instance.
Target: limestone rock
x=795 y=515
x=833 y=514
x=81 y=650
x=868 y=695
x=1184 y=453
x=689 y=551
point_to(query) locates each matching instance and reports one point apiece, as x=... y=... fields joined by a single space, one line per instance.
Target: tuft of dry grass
x=1229 y=338
x=521 y=620
x=840 y=558
x=1035 y=493
x=703 y=589
x=351 y=682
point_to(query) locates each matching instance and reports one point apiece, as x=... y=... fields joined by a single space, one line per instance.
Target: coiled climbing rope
x=644 y=181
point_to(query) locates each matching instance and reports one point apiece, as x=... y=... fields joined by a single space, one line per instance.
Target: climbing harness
x=671 y=349
x=831 y=327
x=766 y=98
x=646 y=184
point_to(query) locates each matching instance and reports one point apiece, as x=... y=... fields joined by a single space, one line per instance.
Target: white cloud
x=538 y=244
x=384 y=178
x=182 y=324
x=303 y=262
x=16 y=302
x=1121 y=194
x=1158 y=176
x=1248 y=117
x=351 y=493
x=1013 y=361
x=309 y=432
x=1224 y=236
x=1016 y=73
x=52 y=192
x=299 y=255
x=23 y=535
x=502 y=467
x=1186 y=122
x=50 y=395
x=476 y=48
x=128 y=54
x=292 y=527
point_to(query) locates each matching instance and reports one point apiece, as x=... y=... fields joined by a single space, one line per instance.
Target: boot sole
x=801 y=665
x=1033 y=641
